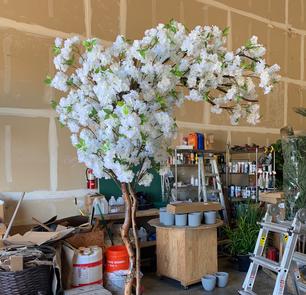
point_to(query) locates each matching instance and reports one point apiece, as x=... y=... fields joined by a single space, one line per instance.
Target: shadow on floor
x=153 y=285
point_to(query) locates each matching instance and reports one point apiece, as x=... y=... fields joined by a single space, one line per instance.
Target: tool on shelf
x=291 y=231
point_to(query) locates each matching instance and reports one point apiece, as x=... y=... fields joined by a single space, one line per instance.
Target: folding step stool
x=291 y=232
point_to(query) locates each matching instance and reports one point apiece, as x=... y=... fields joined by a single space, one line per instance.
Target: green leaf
x=48 y=80
x=171 y=26
x=143 y=137
x=225 y=31
x=89 y=44
x=107 y=111
x=69 y=82
x=206 y=96
x=125 y=110
x=143 y=119
x=56 y=50
x=81 y=145
x=245 y=65
x=161 y=100
x=120 y=103
x=176 y=72
x=142 y=52
x=70 y=61
x=173 y=93
x=53 y=104
x=105 y=147
x=94 y=115
x=69 y=109
x=248 y=44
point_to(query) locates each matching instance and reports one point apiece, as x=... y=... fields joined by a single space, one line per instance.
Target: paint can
x=87 y=267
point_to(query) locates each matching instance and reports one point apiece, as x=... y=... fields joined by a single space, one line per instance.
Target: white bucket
x=87 y=267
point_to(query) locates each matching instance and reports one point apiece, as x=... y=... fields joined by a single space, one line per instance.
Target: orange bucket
x=117 y=258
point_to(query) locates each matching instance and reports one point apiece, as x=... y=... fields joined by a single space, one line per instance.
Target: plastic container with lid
x=87 y=267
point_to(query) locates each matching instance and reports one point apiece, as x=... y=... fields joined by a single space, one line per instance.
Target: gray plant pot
x=180 y=219
x=162 y=213
x=222 y=279
x=209 y=282
x=210 y=217
x=194 y=219
x=168 y=218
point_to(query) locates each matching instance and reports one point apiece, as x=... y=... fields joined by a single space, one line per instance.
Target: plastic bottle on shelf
x=192 y=180
x=142 y=234
x=120 y=201
x=104 y=205
x=112 y=201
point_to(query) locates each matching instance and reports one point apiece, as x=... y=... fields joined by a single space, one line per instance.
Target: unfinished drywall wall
x=35 y=153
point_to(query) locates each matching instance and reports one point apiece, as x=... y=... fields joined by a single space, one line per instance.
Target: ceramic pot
x=168 y=218
x=162 y=214
x=222 y=279
x=210 y=217
x=243 y=262
x=194 y=219
x=180 y=219
x=209 y=282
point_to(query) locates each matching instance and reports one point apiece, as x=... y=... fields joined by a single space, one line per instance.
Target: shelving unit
x=208 y=182
x=257 y=151
x=203 y=153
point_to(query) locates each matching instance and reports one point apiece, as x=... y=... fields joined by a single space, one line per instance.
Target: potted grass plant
x=244 y=235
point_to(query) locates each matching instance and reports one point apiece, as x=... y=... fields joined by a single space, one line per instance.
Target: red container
x=272 y=254
x=117 y=258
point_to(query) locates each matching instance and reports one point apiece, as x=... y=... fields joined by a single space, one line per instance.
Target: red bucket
x=117 y=258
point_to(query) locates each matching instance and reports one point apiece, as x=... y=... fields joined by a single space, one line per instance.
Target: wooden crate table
x=186 y=254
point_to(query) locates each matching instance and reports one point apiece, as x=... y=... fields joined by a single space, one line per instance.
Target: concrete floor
x=155 y=286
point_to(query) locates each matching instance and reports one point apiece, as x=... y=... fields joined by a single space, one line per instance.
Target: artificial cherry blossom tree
x=119 y=101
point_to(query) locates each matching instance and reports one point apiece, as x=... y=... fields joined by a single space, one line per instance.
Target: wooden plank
x=141 y=213
x=271 y=197
x=188 y=207
x=186 y=255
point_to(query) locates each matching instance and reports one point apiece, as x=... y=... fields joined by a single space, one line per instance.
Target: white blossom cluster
x=119 y=101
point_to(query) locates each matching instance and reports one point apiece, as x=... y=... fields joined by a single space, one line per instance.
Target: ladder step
x=266 y=263
x=243 y=292
x=275 y=227
x=299 y=257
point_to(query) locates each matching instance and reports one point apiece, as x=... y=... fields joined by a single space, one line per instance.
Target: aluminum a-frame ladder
x=217 y=184
x=291 y=231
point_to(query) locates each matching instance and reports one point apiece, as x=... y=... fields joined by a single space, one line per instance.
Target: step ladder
x=291 y=232
x=298 y=260
x=217 y=184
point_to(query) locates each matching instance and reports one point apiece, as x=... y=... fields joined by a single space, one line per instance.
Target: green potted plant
x=244 y=235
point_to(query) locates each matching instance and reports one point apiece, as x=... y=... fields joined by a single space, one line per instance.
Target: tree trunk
x=126 y=240
x=137 y=246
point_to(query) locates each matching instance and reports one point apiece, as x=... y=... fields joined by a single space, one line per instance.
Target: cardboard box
x=271 y=197
x=89 y=238
x=189 y=207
